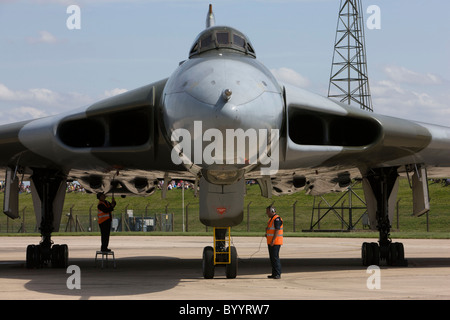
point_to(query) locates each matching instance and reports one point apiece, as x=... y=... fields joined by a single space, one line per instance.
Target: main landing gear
x=221 y=254
x=49 y=190
x=393 y=253
x=382 y=182
x=41 y=255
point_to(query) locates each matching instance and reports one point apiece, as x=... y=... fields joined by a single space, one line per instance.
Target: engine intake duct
x=121 y=129
x=308 y=127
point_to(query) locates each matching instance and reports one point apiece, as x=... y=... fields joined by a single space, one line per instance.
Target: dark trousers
x=105 y=230
x=274 y=254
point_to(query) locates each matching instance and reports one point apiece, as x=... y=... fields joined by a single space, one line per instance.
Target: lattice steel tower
x=349 y=82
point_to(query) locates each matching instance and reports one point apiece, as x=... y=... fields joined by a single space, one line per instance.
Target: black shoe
x=106 y=250
x=274 y=277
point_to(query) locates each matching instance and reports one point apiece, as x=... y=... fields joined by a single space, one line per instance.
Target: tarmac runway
x=169 y=268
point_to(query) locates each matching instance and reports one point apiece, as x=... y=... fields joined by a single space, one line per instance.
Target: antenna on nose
x=210 y=20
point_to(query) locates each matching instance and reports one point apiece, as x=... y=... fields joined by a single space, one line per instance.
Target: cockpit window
x=239 y=41
x=206 y=42
x=222 y=38
x=194 y=49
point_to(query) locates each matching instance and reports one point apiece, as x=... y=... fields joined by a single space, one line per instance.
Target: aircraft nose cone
x=213 y=80
x=216 y=97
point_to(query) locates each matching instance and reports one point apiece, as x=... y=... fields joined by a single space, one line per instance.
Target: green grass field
x=253 y=223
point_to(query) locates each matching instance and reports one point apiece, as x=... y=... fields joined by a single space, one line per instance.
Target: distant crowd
x=76 y=187
x=26 y=188
x=174 y=184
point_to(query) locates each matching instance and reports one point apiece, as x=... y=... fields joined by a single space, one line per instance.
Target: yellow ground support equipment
x=222 y=253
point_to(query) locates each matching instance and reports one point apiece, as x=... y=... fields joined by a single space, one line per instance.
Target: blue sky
x=45 y=68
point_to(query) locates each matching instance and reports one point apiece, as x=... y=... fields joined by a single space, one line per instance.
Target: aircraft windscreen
x=239 y=41
x=221 y=38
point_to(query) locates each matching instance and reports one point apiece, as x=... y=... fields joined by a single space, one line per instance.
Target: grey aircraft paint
x=131 y=133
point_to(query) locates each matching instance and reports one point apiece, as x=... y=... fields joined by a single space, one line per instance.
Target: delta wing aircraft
x=219 y=119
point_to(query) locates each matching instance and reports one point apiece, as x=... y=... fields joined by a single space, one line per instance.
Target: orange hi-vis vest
x=103 y=216
x=270 y=231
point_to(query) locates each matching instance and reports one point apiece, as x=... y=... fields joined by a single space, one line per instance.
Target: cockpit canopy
x=215 y=38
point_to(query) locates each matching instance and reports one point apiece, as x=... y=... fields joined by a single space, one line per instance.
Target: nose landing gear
x=220 y=254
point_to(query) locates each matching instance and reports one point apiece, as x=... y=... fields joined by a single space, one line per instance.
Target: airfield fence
x=300 y=212
x=320 y=216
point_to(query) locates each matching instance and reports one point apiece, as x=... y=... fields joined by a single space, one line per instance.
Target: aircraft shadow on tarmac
x=143 y=275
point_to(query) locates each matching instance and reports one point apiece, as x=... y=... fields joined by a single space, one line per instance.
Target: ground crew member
x=104 y=219
x=274 y=235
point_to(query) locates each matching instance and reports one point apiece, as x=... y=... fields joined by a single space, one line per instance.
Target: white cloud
x=18 y=105
x=404 y=75
x=37 y=95
x=291 y=77
x=413 y=95
x=6 y=93
x=408 y=100
x=15 y=114
x=29 y=112
x=44 y=37
x=114 y=92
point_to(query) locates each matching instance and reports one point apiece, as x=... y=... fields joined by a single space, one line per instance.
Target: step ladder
x=227 y=252
x=105 y=255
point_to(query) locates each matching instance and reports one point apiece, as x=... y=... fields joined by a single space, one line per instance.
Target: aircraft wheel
x=64 y=255
x=370 y=253
x=366 y=254
x=60 y=256
x=208 y=263
x=55 y=256
x=375 y=253
x=392 y=254
x=31 y=257
x=231 y=269
x=396 y=254
x=401 y=251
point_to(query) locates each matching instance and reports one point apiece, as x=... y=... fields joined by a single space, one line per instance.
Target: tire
x=392 y=254
x=366 y=254
x=231 y=269
x=375 y=254
x=63 y=256
x=37 y=256
x=30 y=260
x=55 y=256
x=401 y=251
x=208 y=263
x=396 y=254
x=60 y=256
